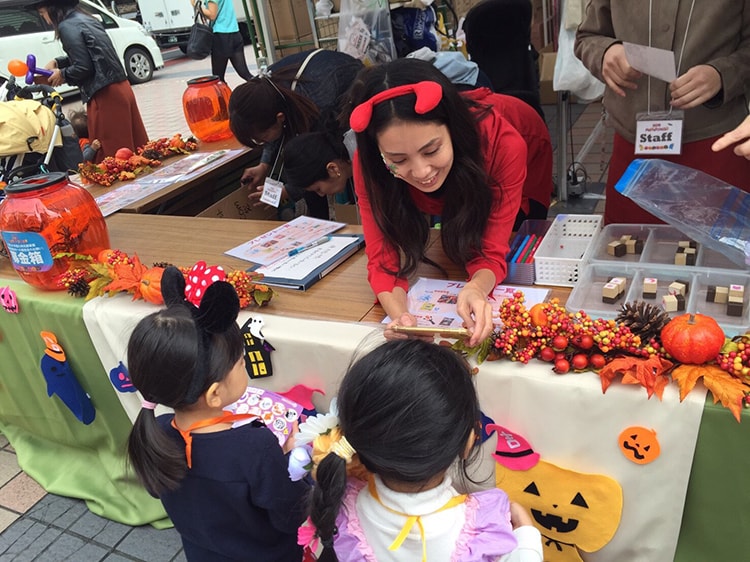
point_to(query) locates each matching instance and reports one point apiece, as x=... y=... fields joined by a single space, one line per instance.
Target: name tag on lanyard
x=659 y=133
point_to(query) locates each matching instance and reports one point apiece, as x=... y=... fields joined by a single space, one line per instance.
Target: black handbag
x=201 y=35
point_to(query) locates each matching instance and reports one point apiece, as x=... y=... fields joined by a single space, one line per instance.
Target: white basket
x=565 y=248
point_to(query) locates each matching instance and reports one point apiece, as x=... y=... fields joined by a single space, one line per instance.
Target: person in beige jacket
x=711 y=43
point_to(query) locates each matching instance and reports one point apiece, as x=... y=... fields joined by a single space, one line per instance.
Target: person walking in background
x=407 y=413
x=711 y=44
x=89 y=147
x=227 y=41
x=92 y=65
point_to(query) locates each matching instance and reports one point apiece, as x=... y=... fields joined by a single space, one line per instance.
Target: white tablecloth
x=566 y=418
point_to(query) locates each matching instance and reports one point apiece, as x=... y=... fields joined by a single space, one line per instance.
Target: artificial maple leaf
x=647 y=372
x=650 y=374
x=127 y=277
x=723 y=386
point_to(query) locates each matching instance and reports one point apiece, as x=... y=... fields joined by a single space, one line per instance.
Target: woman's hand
x=519 y=517
x=56 y=79
x=476 y=312
x=405 y=319
x=741 y=134
x=698 y=85
x=617 y=72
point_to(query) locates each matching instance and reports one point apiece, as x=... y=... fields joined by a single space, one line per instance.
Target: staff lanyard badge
x=272 y=188
x=659 y=132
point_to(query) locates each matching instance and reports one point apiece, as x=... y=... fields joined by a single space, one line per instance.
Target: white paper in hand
x=658 y=63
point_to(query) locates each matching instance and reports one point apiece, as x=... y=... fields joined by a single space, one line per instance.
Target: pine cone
x=79 y=288
x=643 y=319
x=163 y=264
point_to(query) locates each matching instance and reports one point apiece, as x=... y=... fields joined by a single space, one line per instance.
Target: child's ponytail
x=326 y=499
x=158 y=461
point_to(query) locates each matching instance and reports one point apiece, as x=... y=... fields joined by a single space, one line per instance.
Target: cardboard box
x=236 y=206
x=546 y=73
x=347 y=213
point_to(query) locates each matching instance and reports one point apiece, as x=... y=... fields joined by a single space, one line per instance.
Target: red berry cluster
x=166 y=147
x=572 y=340
x=248 y=289
x=735 y=357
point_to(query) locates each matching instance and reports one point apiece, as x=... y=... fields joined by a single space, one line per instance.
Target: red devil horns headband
x=428 y=95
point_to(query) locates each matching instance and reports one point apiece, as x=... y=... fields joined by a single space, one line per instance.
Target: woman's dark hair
x=306 y=157
x=408 y=408
x=167 y=356
x=467 y=197
x=80 y=122
x=253 y=107
x=58 y=11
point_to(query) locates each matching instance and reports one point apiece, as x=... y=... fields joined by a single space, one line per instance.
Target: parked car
x=24 y=32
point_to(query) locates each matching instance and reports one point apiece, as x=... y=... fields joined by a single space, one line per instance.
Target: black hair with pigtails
x=408 y=408
x=174 y=356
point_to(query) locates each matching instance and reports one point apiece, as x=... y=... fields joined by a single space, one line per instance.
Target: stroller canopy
x=26 y=126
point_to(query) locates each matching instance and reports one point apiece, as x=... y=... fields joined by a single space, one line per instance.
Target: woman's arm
x=473 y=307
x=210 y=10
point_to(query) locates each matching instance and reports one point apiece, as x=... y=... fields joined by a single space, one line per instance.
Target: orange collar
x=226 y=417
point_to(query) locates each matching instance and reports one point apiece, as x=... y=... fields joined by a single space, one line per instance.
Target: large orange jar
x=43 y=216
x=206 y=106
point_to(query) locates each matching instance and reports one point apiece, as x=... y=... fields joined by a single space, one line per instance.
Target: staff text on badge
x=658 y=136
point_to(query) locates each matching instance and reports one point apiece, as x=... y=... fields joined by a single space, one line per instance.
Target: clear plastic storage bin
x=565 y=248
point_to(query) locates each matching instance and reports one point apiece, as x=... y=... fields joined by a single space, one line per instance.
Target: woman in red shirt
x=424 y=149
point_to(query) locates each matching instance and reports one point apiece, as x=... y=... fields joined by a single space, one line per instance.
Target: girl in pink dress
x=408 y=412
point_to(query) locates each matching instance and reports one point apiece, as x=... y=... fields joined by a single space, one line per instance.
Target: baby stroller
x=31 y=130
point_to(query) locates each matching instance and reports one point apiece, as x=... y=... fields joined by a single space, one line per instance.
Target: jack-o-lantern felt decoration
x=639 y=444
x=572 y=510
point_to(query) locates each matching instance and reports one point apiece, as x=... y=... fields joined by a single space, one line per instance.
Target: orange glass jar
x=43 y=216
x=206 y=106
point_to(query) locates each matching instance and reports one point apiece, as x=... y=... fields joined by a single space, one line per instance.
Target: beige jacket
x=719 y=35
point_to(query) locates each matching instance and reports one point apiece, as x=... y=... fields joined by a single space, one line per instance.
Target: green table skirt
x=62 y=454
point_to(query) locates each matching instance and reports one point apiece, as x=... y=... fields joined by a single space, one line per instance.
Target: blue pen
x=317 y=242
x=521 y=246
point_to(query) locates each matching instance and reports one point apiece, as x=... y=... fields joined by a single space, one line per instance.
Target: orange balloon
x=17 y=68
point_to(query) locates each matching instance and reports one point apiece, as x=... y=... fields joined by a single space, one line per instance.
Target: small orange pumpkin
x=693 y=338
x=150 y=285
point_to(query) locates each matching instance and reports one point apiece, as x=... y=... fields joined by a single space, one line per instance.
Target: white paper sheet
x=658 y=63
x=276 y=244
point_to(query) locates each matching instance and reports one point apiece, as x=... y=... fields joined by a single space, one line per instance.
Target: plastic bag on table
x=365 y=31
x=707 y=209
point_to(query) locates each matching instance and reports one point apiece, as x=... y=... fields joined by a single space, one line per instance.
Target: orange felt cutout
x=639 y=445
x=571 y=509
x=53 y=349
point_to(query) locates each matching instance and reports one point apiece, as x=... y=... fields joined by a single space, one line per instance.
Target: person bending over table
x=422 y=148
x=300 y=93
x=320 y=163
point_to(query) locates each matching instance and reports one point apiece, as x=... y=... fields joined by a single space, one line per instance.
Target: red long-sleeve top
x=505 y=161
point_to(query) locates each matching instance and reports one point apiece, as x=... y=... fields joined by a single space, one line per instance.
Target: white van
x=24 y=32
x=169 y=21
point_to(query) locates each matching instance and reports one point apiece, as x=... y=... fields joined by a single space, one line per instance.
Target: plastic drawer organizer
x=657 y=261
x=565 y=248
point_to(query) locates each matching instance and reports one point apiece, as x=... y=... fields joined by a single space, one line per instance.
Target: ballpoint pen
x=317 y=242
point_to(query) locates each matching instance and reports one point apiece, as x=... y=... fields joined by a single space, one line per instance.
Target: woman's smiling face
x=420 y=153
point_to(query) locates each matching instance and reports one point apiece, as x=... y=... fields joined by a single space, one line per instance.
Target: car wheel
x=138 y=65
